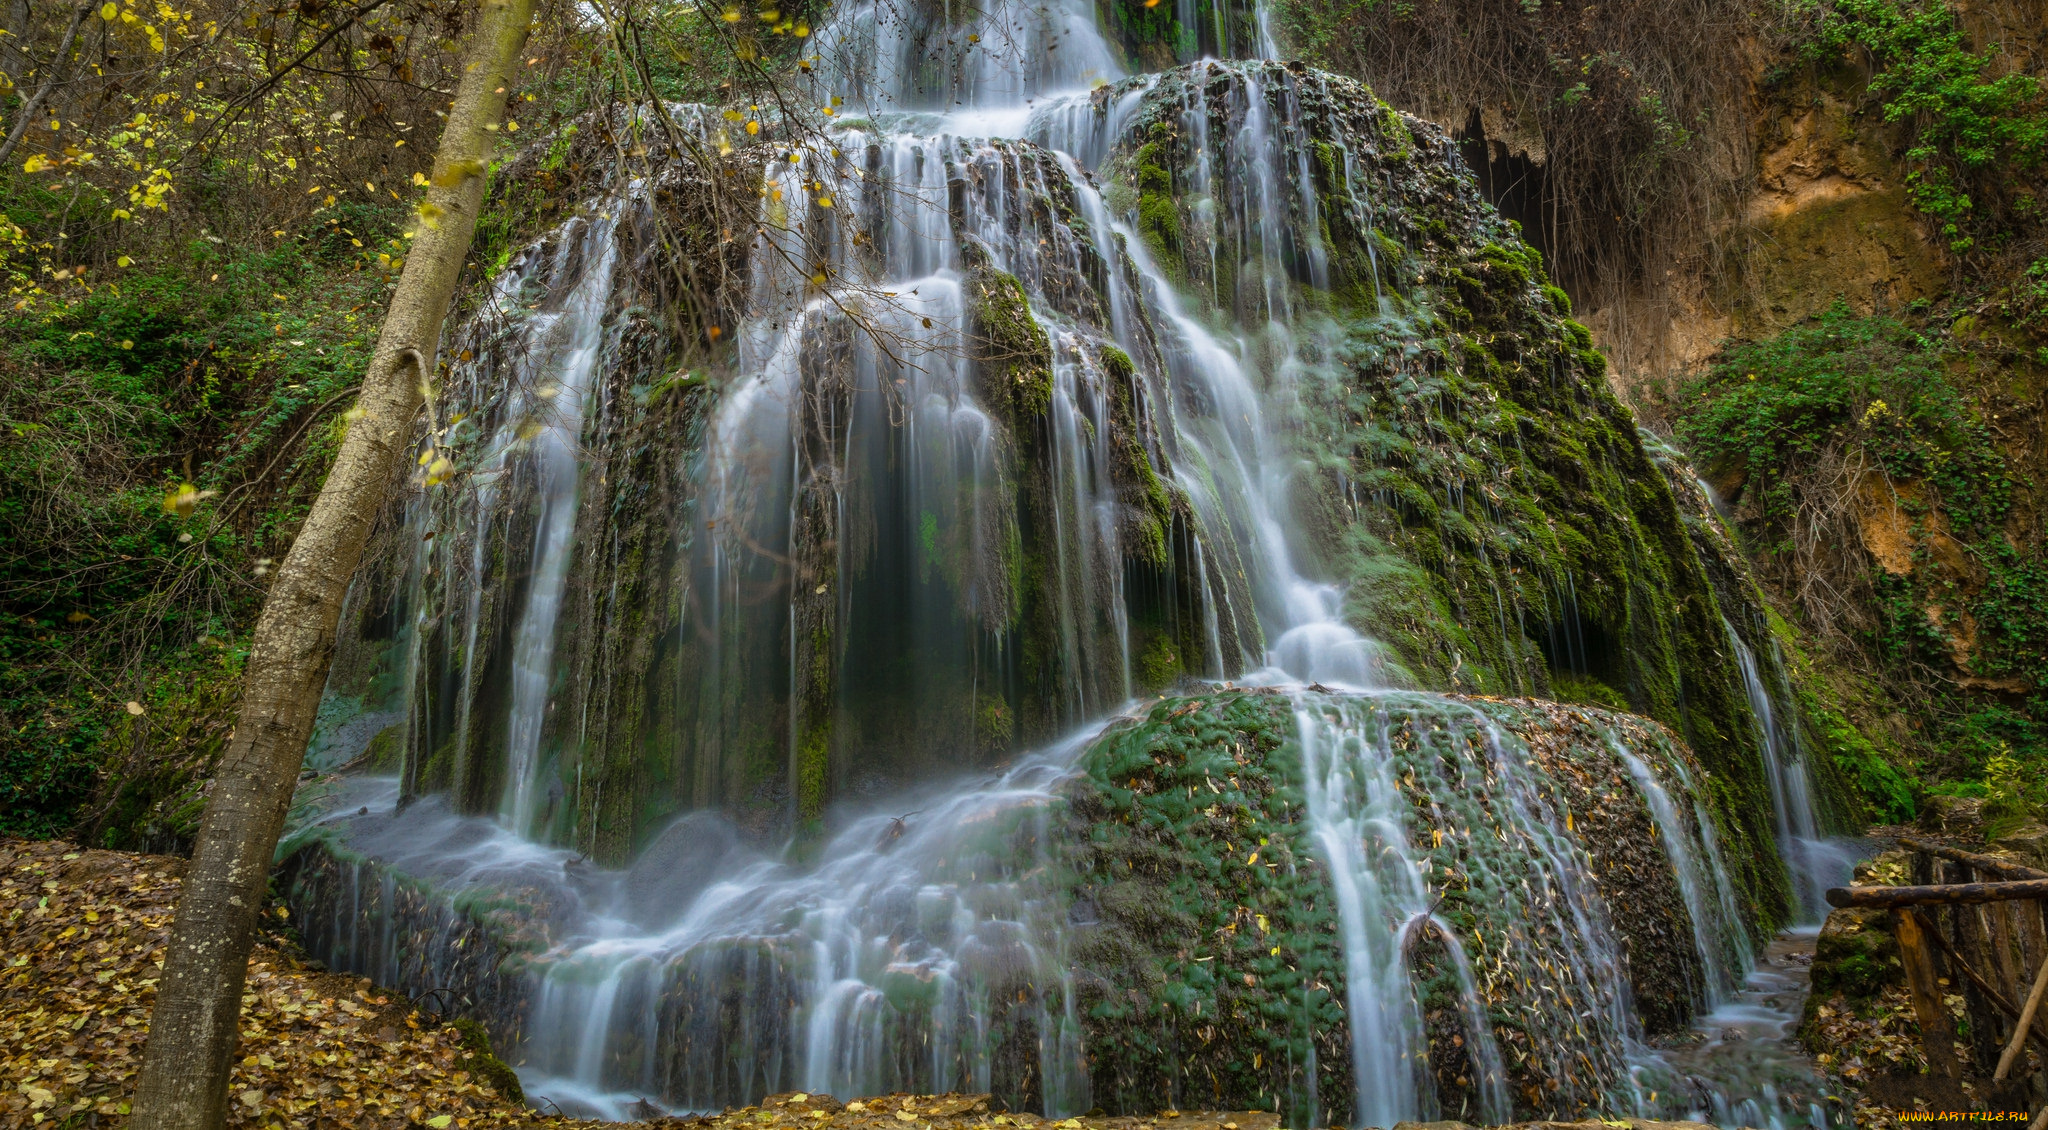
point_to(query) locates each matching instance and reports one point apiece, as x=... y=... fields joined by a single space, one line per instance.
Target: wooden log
x=2019 y=1036
x=1984 y=987
x=1941 y=894
x=1937 y=1032
x=1990 y=863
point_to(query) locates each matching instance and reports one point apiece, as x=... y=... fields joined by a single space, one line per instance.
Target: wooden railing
x=2001 y=924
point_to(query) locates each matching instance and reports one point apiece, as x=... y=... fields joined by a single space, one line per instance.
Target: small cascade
x=1702 y=876
x=912 y=958
x=916 y=954
x=520 y=402
x=1812 y=863
x=563 y=350
x=1359 y=804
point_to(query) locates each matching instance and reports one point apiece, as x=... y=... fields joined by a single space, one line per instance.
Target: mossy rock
x=1206 y=947
x=1855 y=961
x=484 y=1064
x=1009 y=347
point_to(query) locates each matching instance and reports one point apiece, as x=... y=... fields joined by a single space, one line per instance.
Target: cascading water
x=1812 y=862
x=1716 y=925
x=562 y=349
x=986 y=467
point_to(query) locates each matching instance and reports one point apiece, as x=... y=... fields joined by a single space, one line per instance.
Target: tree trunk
x=193 y=1030
x=57 y=65
x=1923 y=985
x=1938 y=894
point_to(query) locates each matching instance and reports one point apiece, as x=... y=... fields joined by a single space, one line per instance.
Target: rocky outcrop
x=1207 y=941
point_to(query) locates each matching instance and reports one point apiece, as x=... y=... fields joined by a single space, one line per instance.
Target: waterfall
x=990 y=462
x=1716 y=927
x=562 y=351
x=1812 y=864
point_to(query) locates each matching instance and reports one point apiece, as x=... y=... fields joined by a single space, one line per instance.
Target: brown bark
x=1985 y=988
x=193 y=1030
x=2025 y=1025
x=1937 y=1033
x=57 y=64
x=1946 y=894
x=1991 y=863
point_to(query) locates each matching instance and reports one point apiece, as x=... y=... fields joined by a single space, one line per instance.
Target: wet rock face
x=1467 y=473
x=1210 y=957
x=1464 y=474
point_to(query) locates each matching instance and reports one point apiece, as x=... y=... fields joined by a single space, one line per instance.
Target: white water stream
x=1812 y=861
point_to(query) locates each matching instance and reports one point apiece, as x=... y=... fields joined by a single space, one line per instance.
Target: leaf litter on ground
x=82 y=936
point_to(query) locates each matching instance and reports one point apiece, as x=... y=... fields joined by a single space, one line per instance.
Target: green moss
x=1571 y=686
x=1159 y=223
x=484 y=1064
x=1154 y=501
x=1187 y=988
x=1210 y=960
x=1158 y=665
x=1011 y=348
x=1856 y=957
x=386 y=750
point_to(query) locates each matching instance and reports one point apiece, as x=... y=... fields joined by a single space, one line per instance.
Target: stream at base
x=1741 y=1064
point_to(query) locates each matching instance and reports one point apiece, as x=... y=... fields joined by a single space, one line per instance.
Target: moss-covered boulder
x=1493 y=514
x=1209 y=952
x=1856 y=956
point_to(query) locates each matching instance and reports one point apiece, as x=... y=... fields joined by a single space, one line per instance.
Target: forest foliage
x=199 y=229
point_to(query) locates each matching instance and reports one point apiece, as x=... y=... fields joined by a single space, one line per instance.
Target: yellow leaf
x=752 y=127
x=824 y=202
x=511 y=127
x=430 y=213
x=1252 y=860
x=458 y=171
x=124 y=261
x=440 y=1121
x=802 y=29
x=109 y=12
x=732 y=14
x=35 y=164
x=135 y=708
